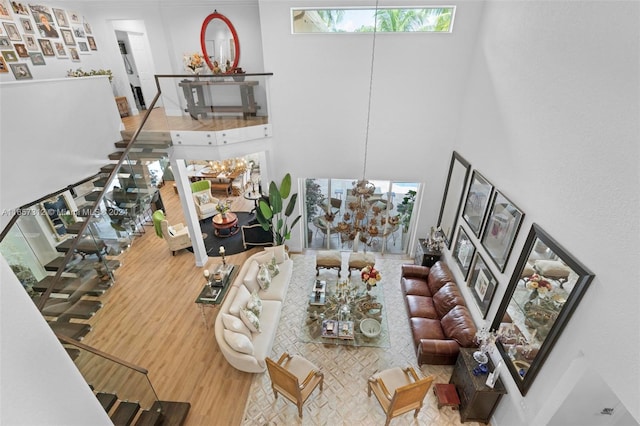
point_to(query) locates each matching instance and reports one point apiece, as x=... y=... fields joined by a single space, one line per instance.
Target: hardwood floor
x=150 y=319
x=158 y=120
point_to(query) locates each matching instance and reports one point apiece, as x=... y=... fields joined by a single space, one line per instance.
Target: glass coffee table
x=336 y=308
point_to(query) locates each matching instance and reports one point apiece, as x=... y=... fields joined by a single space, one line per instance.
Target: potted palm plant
x=272 y=216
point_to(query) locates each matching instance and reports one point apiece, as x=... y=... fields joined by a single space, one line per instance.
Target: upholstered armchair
x=177 y=236
x=205 y=202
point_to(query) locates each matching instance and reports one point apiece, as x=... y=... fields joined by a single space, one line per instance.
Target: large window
x=330 y=215
x=343 y=20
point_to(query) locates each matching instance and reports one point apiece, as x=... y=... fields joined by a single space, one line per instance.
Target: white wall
x=319 y=98
x=40 y=383
x=52 y=135
x=551 y=119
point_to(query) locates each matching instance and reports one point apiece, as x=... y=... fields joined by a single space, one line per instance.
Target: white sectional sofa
x=244 y=349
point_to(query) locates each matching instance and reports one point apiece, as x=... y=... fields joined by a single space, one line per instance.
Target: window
x=343 y=20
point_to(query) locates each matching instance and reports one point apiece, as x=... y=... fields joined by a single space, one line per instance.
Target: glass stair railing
x=123 y=389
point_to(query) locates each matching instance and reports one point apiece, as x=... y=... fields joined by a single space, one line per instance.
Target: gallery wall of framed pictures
x=34 y=35
x=544 y=287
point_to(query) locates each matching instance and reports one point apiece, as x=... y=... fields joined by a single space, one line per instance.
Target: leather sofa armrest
x=447 y=348
x=417 y=271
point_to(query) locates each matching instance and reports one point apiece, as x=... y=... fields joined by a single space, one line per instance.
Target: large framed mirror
x=59 y=215
x=219 y=43
x=545 y=289
x=459 y=169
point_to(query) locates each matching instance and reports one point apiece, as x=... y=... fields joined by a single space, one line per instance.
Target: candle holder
x=222 y=252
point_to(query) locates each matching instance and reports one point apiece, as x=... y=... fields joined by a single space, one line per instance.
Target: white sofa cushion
x=239 y=301
x=262 y=342
x=279 y=284
x=235 y=324
x=239 y=342
x=251 y=278
x=278 y=252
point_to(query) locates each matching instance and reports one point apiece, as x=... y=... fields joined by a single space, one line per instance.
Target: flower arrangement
x=222 y=208
x=80 y=73
x=194 y=62
x=370 y=276
x=539 y=285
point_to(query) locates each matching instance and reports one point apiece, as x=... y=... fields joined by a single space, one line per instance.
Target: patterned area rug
x=344 y=400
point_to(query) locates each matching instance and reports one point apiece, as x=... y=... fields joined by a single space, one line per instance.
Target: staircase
x=125 y=413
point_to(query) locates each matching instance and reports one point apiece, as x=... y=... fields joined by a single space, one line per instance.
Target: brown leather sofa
x=438 y=315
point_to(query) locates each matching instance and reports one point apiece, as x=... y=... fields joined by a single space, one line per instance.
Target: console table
x=424 y=256
x=477 y=400
x=194 y=93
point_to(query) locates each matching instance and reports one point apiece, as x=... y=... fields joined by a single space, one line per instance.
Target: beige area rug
x=346 y=369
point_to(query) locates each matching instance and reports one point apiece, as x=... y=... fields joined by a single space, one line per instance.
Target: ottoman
x=360 y=260
x=328 y=259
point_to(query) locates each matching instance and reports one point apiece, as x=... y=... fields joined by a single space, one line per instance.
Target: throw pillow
x=240 y=301
x=203 y=198
x=238 y=342
x=255 y=304
x=235 y=324
x=273 y=267
x=263 y=257
x=251 y=277
x=264 y=278
x=250 y=320
x=278 y=252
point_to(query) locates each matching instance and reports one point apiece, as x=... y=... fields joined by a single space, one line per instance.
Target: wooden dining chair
x=399 y=390
x=294 y=377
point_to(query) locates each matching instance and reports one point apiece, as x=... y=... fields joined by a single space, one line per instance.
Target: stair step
x=115 y=155
x=147 y=155
x=100 y=182
x=85 y=210
x=55 y=264
x=148 y=136
x=72 y=330
x=107 y=400
x=91 y=286
x=74 y=228
x=92 y=196
x=124 y=413
x=73 y=353
x=108 y=168
x=81 y=309
x=174 y=413
x=150 y=418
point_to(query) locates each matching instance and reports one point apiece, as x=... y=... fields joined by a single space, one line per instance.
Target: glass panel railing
x=109 y=375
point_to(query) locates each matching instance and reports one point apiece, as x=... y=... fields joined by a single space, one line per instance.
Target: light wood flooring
x=158 y=120
x=150 y=319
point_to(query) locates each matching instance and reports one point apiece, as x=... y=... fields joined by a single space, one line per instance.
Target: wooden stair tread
x=72 y=330
x=90 y=285
x=81 y=309
x=54 y=264
x=174 y=413
x=149 y=418
x=74 y=228
x=74 y=353
x=107 y=400
x=115 y=155
x=108 y=168
x=124 y=413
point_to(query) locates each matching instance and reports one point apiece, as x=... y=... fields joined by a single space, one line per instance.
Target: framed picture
x=92 y=43
x=475 y=208
x=87 y=27
x=83 y=46
x=21 y=50
x=19 y=8
x=463 y=251
x=46 y=47
x=12 y=31
x=37 y=58
x=44 y=21
x=4 y=10
x=27 y=26
x=61 y=17
x=9 y=56
x=74 y=17
x=483 y=284
x=30 y=42
x=3 y=65
x=502 y=227
x=73 y=52
x=5 y=43
x=459 y=169
x=67 y=36
x=78 y=31
x=21 y=71
x=61 y=52
x=546 y=286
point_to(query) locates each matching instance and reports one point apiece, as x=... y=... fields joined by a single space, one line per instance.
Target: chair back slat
x=410 y=395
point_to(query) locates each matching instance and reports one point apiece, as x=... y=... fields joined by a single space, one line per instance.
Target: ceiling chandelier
x=363 y=221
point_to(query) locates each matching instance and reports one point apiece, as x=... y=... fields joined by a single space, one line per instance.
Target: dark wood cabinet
x=425 y=257
x=477 y=400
